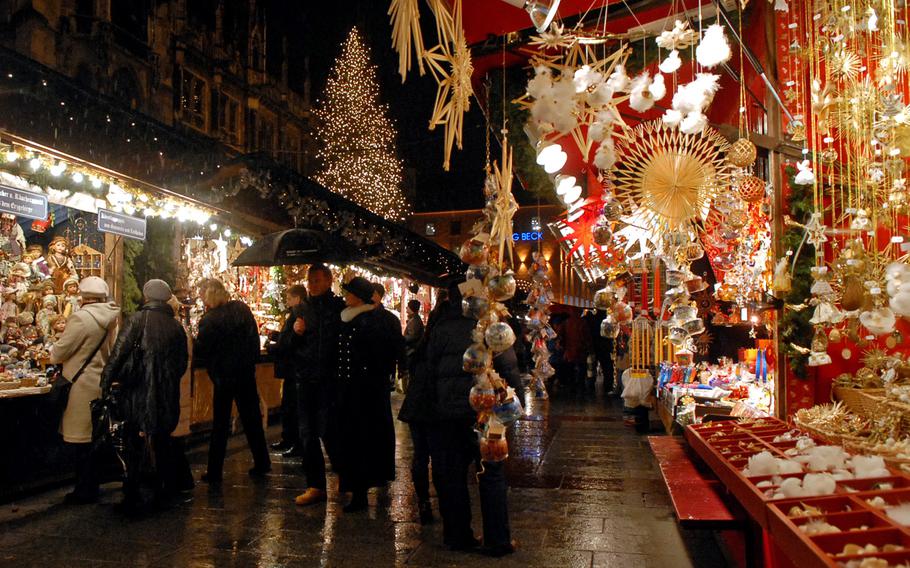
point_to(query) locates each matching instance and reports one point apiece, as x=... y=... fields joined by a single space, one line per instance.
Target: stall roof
x=261 y=195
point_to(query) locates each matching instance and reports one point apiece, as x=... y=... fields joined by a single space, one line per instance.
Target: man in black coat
x=227 y=345
x=315 y=365
x=146 y=364
x=453 y=443
x=283 y=352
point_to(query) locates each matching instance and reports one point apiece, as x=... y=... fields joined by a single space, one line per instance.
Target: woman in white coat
x=88 y=338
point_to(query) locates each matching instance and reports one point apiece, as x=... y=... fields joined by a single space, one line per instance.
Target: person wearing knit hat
x=156 y=290
x=147 y=363
x=361 y=288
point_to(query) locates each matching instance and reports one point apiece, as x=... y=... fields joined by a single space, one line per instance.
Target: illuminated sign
x=529 y=236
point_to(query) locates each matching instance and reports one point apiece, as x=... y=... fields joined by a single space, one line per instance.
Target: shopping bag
x=637 y=387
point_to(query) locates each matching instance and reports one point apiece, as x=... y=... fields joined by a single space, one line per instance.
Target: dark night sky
x=325 y=25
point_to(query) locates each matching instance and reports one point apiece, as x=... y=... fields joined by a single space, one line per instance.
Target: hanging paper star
x=816 y=230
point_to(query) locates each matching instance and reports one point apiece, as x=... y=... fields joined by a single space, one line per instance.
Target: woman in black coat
x=228 y=346
x=366 y=435
x=147 y=363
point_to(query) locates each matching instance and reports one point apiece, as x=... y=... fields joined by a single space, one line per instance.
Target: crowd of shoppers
x=338 y=359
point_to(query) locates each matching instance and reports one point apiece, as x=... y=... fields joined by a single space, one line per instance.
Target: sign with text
x=120 y=224
x=528 y=236
x=23 y=203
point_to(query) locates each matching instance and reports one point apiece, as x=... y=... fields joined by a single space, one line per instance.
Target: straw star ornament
x=451 y=66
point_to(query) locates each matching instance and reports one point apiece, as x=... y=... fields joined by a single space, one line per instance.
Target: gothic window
x=193 y=96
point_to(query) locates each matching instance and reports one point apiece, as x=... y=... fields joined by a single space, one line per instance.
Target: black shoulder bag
x=59 y=395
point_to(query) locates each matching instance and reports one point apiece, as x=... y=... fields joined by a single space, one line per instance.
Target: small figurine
x=47 y=289
x=8 y=309
x=59 y=262
x=34 y=256
x=46 y=315
x=12 y=238
x=18 y=279
x=13 y=334
x=70 y=296
x=58 y=326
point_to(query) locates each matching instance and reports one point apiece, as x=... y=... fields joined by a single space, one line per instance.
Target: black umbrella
x=297 y=246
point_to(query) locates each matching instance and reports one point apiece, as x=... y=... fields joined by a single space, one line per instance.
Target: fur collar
x=348 y=314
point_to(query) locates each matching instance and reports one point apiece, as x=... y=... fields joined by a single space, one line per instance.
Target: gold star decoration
x=451 y=66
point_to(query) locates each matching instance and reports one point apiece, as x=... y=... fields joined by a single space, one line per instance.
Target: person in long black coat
x=147 y=363
x=282 y=351
x=228 y=346
x=453 y=442
x=418 y=410
x=366 y=434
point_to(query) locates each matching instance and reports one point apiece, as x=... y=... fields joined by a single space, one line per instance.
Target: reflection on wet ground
x=584 y=492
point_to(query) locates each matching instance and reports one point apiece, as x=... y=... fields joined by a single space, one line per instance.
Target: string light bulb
x=12 y=156
x=34 y=164
x=78 y=177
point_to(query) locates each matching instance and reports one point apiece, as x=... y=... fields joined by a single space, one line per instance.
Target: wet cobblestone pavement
x=585 y=492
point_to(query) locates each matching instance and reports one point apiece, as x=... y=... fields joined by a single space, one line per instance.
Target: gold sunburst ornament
x=451 y=66
x=667 y=178
x=505 y=205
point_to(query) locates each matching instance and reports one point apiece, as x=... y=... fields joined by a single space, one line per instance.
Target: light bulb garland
x=71 y=183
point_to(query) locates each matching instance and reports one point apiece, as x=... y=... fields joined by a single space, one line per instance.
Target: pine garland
x=795 y=328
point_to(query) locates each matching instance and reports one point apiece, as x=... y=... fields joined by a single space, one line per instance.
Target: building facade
x=207 y=67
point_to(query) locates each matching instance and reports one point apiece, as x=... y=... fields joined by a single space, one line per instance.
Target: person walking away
x=392 y=323
x=146 y=364
x=413 y=334
x=283 y=353
x=180 y=477
x=453 y=442
x=228 y=346
x=83 y=350
x=315 y=349
x=417 y=410
x=366 y=357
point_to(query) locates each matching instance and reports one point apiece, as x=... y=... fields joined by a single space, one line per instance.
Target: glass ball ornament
x=493 y=449
x=602 y=234
x=509 y=410
x=603 y=299
x=475 y=307
x=612 y=209
x=499 y=337
x=502 y=287
x=473 y=252
x=622 y=312
x=477 y=272
x=474 y=359
x=609 y=328
x=482 y=397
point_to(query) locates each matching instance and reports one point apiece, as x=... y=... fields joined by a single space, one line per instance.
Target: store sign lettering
x=122 y=225
x=531 y=236
x=23 y=203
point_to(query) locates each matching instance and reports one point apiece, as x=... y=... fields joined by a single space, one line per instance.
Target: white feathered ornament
x=781 y=6
x=713 y=49
x=605 y=157
x=671 y=64
x=805 y=175
x=658 y=88
x=639 y=95
x=619 y=81
x=694 y=123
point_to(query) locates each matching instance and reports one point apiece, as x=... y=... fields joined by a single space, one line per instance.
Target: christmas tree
x=356 y=137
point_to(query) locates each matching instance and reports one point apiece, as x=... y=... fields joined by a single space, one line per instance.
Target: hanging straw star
x=405 y=16
x=451 y=66
x=505 y=205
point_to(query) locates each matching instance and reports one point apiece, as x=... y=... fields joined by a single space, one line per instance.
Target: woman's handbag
x=59 y=395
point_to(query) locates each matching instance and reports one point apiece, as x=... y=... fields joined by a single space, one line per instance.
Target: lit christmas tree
x=357 y=139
